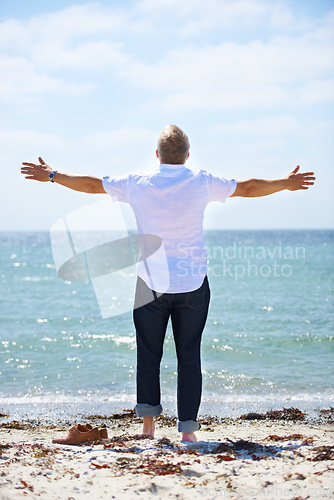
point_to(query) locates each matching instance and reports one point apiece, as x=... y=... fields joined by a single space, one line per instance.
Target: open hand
x=297 y=181
x=37 y=172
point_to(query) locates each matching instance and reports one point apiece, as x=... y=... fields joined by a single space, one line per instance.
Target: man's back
x=170 y=202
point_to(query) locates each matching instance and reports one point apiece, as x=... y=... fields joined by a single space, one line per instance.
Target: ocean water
x=268 y=342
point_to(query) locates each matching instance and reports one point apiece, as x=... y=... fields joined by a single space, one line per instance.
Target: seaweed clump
x=327 y=415
x=287 y=414
x=323 y=453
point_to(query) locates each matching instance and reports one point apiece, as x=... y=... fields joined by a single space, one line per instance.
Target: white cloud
x=214 y=14
x=25 y=145
x=226 y=98
x=22 y=82
x=317 y=92
x=217 y=11
x=113 y=151
x=202 y=16
x=121 y=138
x=28 y=137
x=200 y=75
x=35 y=49
x=64 y=26
x=238 y=75
x=272 y=125
x=117 y=139
x=97 y=54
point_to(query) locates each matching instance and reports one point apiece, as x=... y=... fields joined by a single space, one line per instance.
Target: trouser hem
x=146 y=410
x=188 y=426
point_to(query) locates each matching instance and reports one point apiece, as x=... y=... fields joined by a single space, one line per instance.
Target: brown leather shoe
x=87 y=427
x=103 y=433
x=79 y=434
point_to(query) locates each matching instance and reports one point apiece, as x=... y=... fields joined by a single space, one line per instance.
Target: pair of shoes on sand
x=82 y=433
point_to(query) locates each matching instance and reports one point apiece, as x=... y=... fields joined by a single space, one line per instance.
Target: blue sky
x=89 y=86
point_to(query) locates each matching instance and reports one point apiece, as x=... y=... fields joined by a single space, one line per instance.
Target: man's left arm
x=294 y=181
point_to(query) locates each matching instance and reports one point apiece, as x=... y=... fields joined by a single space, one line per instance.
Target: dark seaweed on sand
x=291 y=414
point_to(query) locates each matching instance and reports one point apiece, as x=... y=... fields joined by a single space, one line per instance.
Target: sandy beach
x=277 y=455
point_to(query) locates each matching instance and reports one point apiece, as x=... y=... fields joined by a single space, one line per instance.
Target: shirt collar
x=171 y=170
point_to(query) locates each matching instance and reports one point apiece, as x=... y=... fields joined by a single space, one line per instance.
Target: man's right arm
x=40 y=172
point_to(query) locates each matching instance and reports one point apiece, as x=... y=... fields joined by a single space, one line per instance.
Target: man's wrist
x=285 y=183
x=52 y=175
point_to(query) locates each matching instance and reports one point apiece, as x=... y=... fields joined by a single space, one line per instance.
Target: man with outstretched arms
x=169 y=202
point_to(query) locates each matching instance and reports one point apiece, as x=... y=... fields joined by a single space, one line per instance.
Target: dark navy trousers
x=188 y=313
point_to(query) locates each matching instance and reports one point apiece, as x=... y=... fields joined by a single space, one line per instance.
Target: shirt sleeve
x=220 y=188
x=117 y=187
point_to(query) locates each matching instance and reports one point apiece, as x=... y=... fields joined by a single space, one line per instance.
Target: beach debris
x=290 y=437
x=125 y=414
x=154 y=467
x=253 y=416
x=130 y=415
x=3 y=415
x=4 y=446
x=295 y=475
x=165 y=443
x=25 y=485
x=123 y=438
x=258 y=457
x=238 y=448
x=97 y=417
x=225 y=458
x=300 y=498
x=323 y=453
x=125 y=443
x=186 y=451
x=286 y=414
x=25 y=426
x=148 y=466
x=41 y=451
x=166 y=420
x=223 y=447
x=291 y=414
x=99 y=466
x=208 y=421
x=229 y=486
x=15 y=424
x=327 y=415
x=190 y=484
x=249 y=446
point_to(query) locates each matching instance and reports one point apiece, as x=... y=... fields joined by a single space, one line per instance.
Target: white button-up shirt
x=170 y=202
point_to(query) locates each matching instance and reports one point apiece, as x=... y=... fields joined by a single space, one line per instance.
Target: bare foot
x=189 y=436
x=148 y=426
